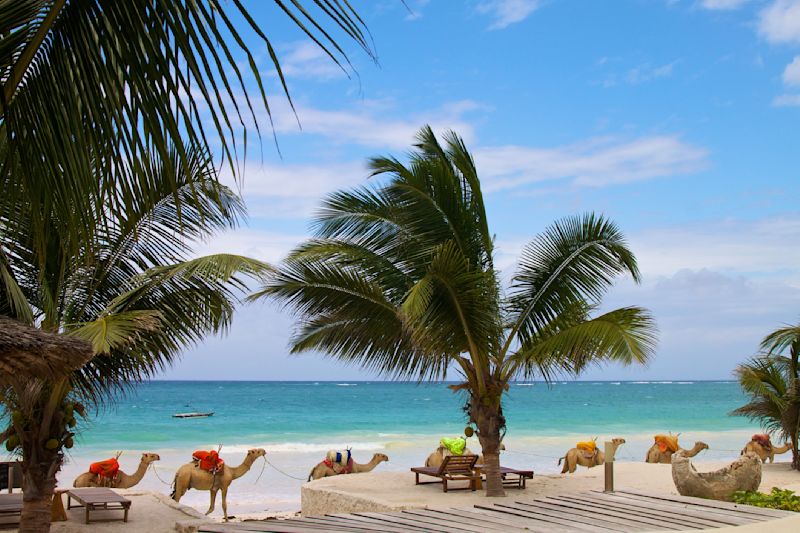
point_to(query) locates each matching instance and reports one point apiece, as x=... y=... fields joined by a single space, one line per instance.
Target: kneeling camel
x=575 y=457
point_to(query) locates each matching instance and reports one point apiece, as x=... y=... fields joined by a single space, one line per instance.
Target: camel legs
x=213 y=501
x=225 y=502
x=179 y=491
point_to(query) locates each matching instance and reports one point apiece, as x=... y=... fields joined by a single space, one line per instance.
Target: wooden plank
x=451 y=521
x=408 y=521
x=335 y=523
x=373 y=521
x=673 y=515
x=505 y=519
x=711 y=510
x=625 y=521
x=598 y=507
x=772 y=513
x=561 y=519
x=687 y=509
x=266 y=526
x=588 y=519
x=666 y=518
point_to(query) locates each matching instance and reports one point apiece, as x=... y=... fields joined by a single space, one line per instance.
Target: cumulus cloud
x=791 y=74
x=507 y=12
x=594 y=163
x=305 y=59
x=779 y=22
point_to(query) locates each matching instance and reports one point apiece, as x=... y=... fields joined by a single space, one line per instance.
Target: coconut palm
x=772 y=380
x=400 y=279
x=89 y=87
x=134 y=291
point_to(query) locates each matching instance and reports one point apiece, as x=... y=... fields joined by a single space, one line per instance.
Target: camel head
x=701 y=445
x=150 y=457
x=619 y=441
x=255 y=453
x=380 y=457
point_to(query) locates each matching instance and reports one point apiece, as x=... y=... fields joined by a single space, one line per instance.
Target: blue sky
x=678 y=119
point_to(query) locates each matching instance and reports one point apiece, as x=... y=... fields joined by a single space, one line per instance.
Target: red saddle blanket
x=107 y=468
x=763 y=440
x=339 y=468
x=208 y=460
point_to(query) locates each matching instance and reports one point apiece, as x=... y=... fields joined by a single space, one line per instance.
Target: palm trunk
x=795 y=453
x=38 y=485
x=488 y=416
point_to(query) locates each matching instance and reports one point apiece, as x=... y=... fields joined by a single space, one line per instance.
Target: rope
x=153 y=468
x=263 y=466
x=284 y=473
x=533 y=454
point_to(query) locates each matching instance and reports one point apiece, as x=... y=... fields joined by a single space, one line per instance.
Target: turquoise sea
x=296 y=422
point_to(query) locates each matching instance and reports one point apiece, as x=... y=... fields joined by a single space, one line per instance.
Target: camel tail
x=561 y=459
x=174 y=486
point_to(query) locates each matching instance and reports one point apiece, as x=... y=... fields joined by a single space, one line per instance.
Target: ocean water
x=297 y=422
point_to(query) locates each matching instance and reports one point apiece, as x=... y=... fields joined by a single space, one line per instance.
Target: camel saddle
x=340 y=462
x=667 y=442
x=587 y=448
x=763 y=440
x=208 y=461
x=105 y=470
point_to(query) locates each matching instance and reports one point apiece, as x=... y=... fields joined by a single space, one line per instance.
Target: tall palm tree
x=88 y=87
x=772 y=380
x=134 y=291
x=400 y=279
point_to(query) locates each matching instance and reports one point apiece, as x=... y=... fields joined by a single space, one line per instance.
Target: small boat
x=192 y=415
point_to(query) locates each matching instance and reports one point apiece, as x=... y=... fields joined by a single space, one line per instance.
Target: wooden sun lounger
x=453 y=468
x=11 y=505
x=98 y=499
x=515 y=478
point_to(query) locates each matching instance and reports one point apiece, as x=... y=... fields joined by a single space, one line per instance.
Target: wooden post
x=609 y=466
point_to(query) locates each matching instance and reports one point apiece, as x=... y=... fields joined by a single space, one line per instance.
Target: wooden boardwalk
x=580 y=512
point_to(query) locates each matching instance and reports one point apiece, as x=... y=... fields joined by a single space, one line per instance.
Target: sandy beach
x=391 y=491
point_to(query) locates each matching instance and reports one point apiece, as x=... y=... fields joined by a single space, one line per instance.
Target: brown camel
x=575 y=457
x=656 y=455
x=323 y=470
x=437 y=456
x=121 y=480
x=191 y=476
x=764 y=453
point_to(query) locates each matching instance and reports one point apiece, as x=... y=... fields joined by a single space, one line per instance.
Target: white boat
x=192 y=415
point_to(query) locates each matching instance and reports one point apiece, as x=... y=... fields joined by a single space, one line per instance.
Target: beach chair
x=98 y=499
x=515 y=478
x=10 y=475
x=453 y=468
x=11 y=505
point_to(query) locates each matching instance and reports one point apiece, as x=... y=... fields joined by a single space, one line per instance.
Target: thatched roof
x=27 y=351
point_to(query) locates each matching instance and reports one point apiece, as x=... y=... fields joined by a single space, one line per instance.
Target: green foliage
x=772 y=382
x=782 y=499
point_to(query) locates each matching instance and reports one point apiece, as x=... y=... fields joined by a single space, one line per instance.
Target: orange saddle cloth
x=107 y=468
x=762 y=439
x=209 y=461
x=667 y=442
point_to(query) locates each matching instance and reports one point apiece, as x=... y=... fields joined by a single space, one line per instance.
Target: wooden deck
x=585 y=511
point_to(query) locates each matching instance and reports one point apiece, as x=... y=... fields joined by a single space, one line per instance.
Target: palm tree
x=400 y=279
x=134 y=291
x=88 y=87
x=772 y=380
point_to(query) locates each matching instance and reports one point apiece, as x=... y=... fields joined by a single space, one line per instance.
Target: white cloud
x=305 y=59
x=262 y=245
x=722 y=5
x=646 y=72
x=780 y=21
x=368 y=124
x=786 y=100
x=507 y=12
x=596 y=162
x=791 y=74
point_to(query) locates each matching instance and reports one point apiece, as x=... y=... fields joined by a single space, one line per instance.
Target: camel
x=765 y=452
x=744 y=474
x=324 y=470
x=121 y=480
x=437 y=456
x=191 y=476
x=656 y=455
x=575 y=457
